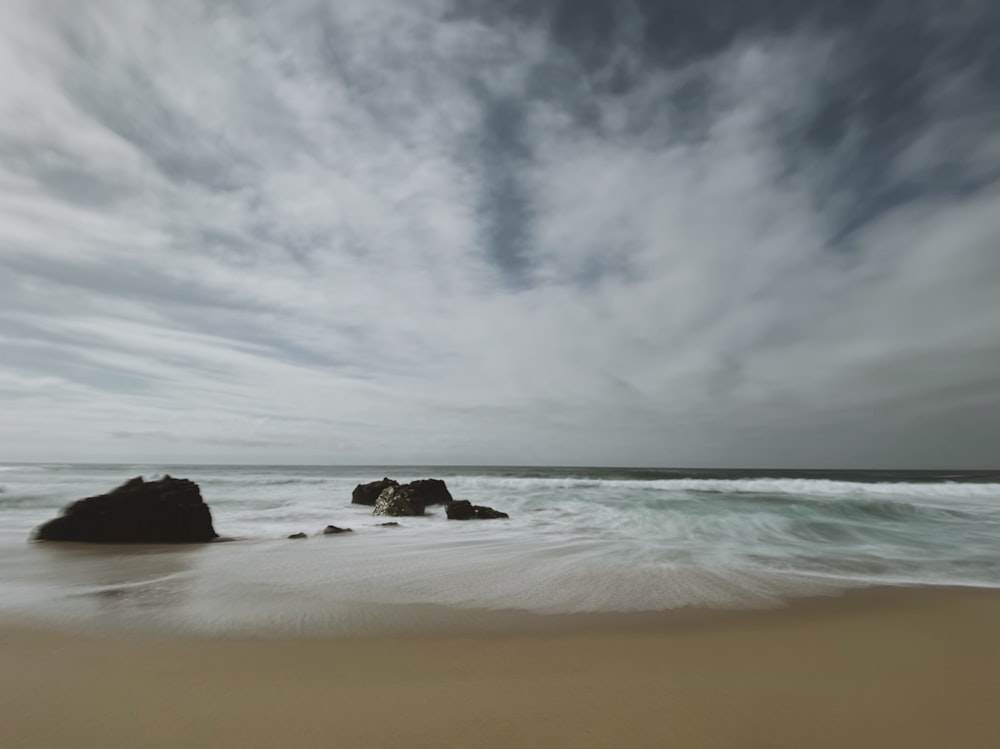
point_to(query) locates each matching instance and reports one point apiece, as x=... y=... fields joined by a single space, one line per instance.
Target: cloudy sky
x=688 y=233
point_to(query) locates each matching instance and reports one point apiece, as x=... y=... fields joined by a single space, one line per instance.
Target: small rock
x=331 y=530
x=392 y=524
x=298 y=535
x=488 y=513
x=463 y=509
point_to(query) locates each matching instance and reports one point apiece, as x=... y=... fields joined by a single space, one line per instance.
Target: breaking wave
x=787 y=486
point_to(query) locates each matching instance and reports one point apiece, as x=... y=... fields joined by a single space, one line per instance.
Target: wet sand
x=878 y=668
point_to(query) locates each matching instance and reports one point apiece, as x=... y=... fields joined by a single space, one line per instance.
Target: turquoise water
x=579 y=540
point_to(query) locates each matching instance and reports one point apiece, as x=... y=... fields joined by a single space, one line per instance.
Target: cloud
x=437 y=232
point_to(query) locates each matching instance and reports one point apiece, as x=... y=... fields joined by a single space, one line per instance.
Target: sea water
x=578 y=540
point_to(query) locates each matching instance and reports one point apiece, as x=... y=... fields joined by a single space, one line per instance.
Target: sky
x=590 y=232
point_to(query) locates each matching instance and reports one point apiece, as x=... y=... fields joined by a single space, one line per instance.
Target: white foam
x=792 y=486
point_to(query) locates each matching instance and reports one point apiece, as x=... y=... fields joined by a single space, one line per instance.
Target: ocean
x=579 y=541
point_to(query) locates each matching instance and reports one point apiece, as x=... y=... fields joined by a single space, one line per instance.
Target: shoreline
x=425 y=621
x=876 y=667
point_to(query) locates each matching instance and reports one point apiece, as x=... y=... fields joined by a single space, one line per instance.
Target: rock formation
x=390 y=498
x=397 y=499
x=168 y=510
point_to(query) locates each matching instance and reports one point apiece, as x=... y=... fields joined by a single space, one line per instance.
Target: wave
x=760 y=486
x=252 y=480
x=894 y=511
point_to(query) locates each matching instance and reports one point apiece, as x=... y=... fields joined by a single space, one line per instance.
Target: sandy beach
x=876 y=668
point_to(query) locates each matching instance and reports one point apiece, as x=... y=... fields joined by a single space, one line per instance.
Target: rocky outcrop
x=296 y=536
x=168 y=510
x=395 y=501
x=332 y=530
x=463 y=509
x=417 y=494
x=366 y=494
x=403 y=499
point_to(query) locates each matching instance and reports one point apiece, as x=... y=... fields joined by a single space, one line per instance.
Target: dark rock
x=392 y=524
x=419 y=494
x=463 y=509
x=366 y=494
x=412 y=498
x=331 y=530
x=165 y=511
x=298 y=535
x=394 y=501
x=428 y=492
x=460 y=510
x=488 y=513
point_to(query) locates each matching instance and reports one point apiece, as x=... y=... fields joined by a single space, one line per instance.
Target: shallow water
x=579 y=540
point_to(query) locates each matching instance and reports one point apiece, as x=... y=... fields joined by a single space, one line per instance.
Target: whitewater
x=579 y=541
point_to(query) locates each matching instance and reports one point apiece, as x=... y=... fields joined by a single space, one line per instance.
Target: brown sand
x=892 y=668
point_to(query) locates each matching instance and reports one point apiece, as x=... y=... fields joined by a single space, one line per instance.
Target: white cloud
x=260 y=232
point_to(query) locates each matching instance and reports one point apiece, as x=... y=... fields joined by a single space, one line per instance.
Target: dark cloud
x=869 y=103
x=503 y=152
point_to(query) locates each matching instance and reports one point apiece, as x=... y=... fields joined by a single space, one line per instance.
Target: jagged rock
x=463 y=509
x=419 y=494
x=412 y=498
x=298 y=535
x=331 y=530
x=165 y=511
x=394 y=501
x=366 y=494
